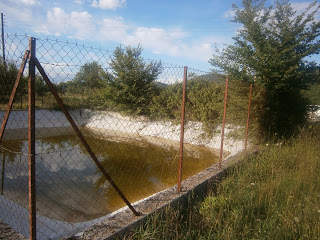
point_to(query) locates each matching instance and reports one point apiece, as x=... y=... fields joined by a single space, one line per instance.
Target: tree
x=91 y=76
x=41 y=88
x=271 y=47
x=8 y=75
x=133 y=80
x=22 y=91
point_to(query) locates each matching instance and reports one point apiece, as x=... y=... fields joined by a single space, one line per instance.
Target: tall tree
x=271 y=47
x=133 y=82
x=90 y=76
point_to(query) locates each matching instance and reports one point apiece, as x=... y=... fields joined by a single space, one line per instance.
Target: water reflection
x=71 y=188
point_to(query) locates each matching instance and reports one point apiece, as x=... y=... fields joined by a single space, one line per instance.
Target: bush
x=205 y=103
x=132 y=82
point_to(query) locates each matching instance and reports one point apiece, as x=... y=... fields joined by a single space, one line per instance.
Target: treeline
x=8 y=75
x=130 y=86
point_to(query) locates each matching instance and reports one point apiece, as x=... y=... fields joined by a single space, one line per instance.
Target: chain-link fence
x=115 y=137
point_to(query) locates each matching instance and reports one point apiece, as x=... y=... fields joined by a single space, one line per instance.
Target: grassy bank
x=273 y=195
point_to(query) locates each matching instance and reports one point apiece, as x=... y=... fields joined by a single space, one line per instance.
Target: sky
x=183 y=32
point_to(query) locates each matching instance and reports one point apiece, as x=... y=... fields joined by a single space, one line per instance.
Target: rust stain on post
x=182 y=126
x=81 y=137
x=223 y=122
x=31 y=140
x=2 y=172
x=248 y=118
x=13 y=93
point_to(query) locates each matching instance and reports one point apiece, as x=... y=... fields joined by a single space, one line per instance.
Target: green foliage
x=167 y=105
x=313 y=94
x=271 y=48
x=272 y=195
x=169 y=224
x=8 y=74
x=90 y=76
x=132 y=85
x=205 y=103
x=129 y=88
x=41 y=88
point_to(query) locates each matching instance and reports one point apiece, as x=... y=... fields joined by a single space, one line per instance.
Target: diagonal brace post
x=81 y=137
x=13 y=93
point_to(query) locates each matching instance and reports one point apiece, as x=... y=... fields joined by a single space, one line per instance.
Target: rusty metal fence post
x=2 y=171
x=223 y=122
x=248 y=118
x=31 y=140
x=3 y=45
x=182 y=125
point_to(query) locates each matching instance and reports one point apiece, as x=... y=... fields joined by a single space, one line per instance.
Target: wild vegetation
x=131 y=87
x=313 y=94
x=271 y=50
x=272 y=195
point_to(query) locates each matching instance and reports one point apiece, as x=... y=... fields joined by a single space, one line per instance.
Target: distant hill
x=214 y=77
x=211 y=77
x=161 y=85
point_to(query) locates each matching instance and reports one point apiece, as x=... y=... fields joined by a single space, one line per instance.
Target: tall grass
x=273 y=195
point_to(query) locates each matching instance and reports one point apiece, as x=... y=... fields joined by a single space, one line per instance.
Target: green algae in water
x=71 y=188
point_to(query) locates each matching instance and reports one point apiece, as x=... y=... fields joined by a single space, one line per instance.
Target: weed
x=274 y=195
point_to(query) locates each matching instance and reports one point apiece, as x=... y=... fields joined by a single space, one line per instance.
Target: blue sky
x=183 y=32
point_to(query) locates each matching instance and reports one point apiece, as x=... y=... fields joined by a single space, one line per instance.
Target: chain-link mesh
x=132 y=128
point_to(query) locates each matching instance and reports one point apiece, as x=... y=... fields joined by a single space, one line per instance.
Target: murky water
x=71 y=188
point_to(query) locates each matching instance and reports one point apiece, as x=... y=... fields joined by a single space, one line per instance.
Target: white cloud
x=76 y=24
x=56 y=21
x=80 y=2
x=19 y=14
x=29 y=2
x=113 y=29
x=24 y=2
x=172 y=41
x=299 y=7
x=81 y=24
x=158 y=39
x=302 y=6
x=229 y=14
x=94 y=3
x=108 y=4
